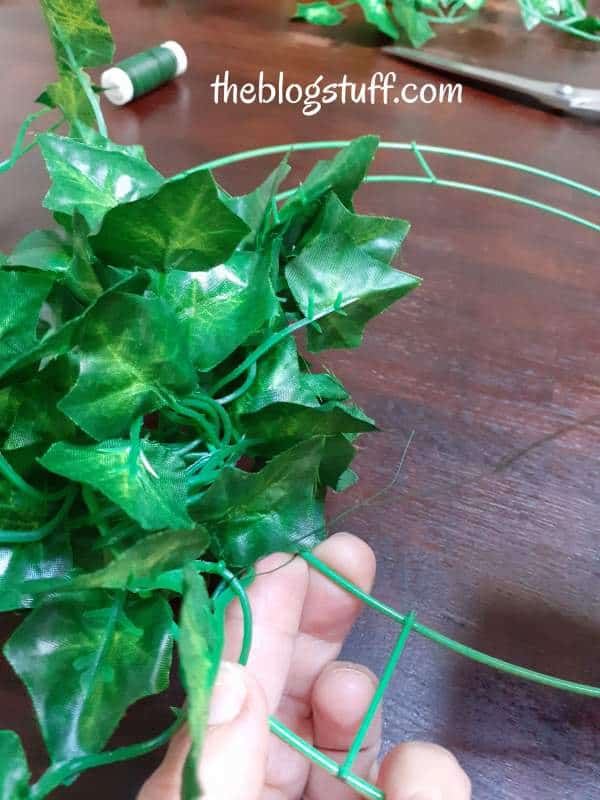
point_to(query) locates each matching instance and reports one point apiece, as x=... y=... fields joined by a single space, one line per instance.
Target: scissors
x=559 y=96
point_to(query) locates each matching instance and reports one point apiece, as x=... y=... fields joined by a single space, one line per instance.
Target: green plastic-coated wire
x=457 y=647
x=388 y=672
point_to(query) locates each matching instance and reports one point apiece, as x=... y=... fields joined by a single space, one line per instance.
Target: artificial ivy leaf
x=21 y=512
x=220 y=308
x=131 y=351
x=319 y=13
x=78 y=29
x=33 y=417
x=343 y=175
x=84 y=658
x=338 y=454
x=152 y=556
x=278 y=380
x=377 y=13
x=68 y=95
x=252 y=514
x=43 y=250
x=255 y=207
x=287 y=423
x=22 y=297
x=61 y=333
x=414 y=22
x=22 y=565
x=184 y=226
x=14 y=772
x=92 y=180
x=378 y=237
x=146 y=481
x=334 y=281
x=200 y=646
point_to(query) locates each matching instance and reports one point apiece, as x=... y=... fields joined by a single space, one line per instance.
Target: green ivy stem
x=242 y=389
x=201 y=422
x=216 y=409
x=63 y=773
x=17 y=150
x=37 y=535
x=19 y=483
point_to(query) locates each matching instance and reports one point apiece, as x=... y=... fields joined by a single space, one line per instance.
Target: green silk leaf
x=22 y=565
x=78 y=31
x=85 y=658
x=61 y=334
x=22 y=297
x=220 y=308
x=378 y=237
x=200 y=646
x=147 y=482
x=319 y=13
x=414 y=22
x=29 y=414
x=68 y=95
x=288 y=423
x=338 y=283
x=44 y=250
x=184 y=226
x=377 y=13
x=14 y=772
x=250 y=515
x=278 y=380
x=154 y=555
x=254 y=208
x=343 y=174
x=92 y=180
x=131 y=353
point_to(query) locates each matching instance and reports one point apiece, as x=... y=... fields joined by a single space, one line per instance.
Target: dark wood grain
x=491 y=533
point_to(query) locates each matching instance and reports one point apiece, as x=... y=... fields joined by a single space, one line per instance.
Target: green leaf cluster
x=413 y=19
x=156 y=408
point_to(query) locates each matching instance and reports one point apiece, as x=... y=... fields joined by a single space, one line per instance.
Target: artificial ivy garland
x=413 y=19
x=146 y=347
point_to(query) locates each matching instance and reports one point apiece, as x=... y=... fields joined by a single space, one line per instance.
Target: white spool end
x=180 y=55
x=117 y=86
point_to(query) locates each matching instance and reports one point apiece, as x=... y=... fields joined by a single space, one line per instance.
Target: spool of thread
x=143 y=72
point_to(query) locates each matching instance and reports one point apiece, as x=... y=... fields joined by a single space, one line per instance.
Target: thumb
x=234 y=755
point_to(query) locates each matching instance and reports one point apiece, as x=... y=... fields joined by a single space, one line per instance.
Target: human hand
x=300 y=622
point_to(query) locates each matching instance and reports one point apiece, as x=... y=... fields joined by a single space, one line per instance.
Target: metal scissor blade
x=554 y=95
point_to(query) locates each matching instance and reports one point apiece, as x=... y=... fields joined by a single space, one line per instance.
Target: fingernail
x=423 y=796
x=229 y=694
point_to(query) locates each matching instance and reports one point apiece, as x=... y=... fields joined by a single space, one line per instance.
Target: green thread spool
x=143 y=72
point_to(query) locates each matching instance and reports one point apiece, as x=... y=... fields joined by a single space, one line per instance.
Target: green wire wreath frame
x=232 y=586
x=408 y=623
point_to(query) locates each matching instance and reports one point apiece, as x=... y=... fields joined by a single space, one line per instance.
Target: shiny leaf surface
x=85 y=658
x=92 y=180
x=147 y=482
x=14 y=772
x=200 y=646
x=220 y=308
x=78 y=32
x=154 y=555
x=250 y=515
x=184 y=226
x=131 y=352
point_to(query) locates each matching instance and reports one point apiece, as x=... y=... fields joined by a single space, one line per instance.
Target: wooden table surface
x=491 y=534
